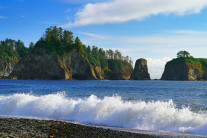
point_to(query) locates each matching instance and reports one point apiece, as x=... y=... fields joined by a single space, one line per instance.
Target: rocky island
x=185 y=68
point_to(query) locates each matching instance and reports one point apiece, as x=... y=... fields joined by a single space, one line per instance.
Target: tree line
x=12 y=50
x=62 y=42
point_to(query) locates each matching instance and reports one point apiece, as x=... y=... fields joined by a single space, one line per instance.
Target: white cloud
x=189 y=32
x=168 y=40
x=117 y=11
x=94 y=35
x=156 y=66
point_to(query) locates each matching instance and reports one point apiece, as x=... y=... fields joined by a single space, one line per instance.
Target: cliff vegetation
x=11 y=52
x=185 y=67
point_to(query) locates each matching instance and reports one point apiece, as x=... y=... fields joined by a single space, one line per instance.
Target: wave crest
x=109 y=111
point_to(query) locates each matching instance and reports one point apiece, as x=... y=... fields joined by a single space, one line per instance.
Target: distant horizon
x=154 y=30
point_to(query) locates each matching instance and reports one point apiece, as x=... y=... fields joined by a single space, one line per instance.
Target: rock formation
x=140 y=71
x=122 y=74
x=185 y=69
x=6 y=67
x=41 y=65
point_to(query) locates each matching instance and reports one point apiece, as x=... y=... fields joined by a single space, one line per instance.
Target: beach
x=25 y=127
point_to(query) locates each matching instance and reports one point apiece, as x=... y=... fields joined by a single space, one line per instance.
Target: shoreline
x=33 y=127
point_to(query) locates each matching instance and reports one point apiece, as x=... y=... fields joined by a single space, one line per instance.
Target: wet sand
x=21 y=127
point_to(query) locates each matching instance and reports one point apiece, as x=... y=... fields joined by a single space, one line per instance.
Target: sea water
x=176 y=106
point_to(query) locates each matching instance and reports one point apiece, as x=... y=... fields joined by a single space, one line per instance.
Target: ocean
x=175 y=106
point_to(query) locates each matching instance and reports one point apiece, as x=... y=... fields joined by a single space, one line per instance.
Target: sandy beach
x=21 y=127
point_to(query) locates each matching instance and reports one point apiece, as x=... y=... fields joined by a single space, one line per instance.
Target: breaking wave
x=109 y=111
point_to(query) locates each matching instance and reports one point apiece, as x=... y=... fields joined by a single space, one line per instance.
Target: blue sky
x=152 y=29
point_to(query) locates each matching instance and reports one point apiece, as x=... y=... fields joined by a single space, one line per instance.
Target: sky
x=151 y=29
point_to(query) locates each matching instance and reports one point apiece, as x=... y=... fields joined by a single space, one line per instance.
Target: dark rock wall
x=140 y=71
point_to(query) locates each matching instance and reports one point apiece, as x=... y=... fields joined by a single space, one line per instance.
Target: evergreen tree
x=183 y=54
x=68 y=38
x=78 y=45
x=88 y=51
x=95 y=53
x=31 y=45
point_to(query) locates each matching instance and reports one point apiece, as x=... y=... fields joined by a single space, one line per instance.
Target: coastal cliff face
x=122 y=74
x=58 y=56
x=78 y=66
x=41 y=65
x=140 y=71
x=6 y=67
x=11 y=52
x=185 y=69
x=117 y=70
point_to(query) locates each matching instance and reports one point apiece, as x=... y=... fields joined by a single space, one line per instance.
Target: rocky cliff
x=117 y=70
x=6 y=66
x=11 y=52
x=140 y=71
x=41 y=65
x=122 y=74
x=185 y=69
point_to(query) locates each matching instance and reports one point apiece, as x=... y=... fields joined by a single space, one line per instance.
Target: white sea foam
x=109 y=111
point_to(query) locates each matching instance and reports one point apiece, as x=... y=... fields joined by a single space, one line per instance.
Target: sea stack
x=140 y=71
x=185 y=69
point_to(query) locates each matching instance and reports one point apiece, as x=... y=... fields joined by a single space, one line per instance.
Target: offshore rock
x=140 y=71
x=185 y=69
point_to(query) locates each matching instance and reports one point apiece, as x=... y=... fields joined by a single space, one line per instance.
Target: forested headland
x=62 y=42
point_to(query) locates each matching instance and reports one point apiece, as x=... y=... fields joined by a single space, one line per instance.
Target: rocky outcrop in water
x=140 y=71
x=185 y=69
x=41 y=65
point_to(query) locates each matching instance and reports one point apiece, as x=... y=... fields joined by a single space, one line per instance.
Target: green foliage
x=79 y=45
x=109 y=59
x=94 y=62
x=197 y=62
x=116 y=65
x=62 y=42
x=183 y=54
x=59 y=41
x=31 y=46
x=11 y=50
